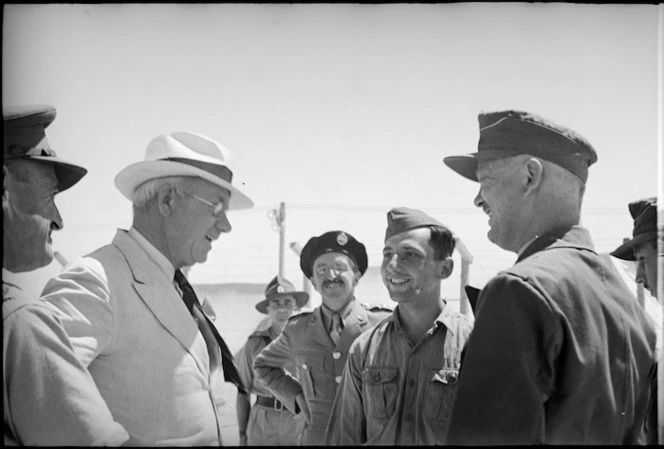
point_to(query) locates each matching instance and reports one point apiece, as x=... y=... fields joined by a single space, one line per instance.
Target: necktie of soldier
x=191 y=301
x=337 y=326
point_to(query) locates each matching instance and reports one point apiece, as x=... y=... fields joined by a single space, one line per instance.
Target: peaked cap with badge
x=402 y=219
x=25 y=138
x=644 y=213
x=333 y=242
x=510 y=133
x=280 y=287
x=184 y=154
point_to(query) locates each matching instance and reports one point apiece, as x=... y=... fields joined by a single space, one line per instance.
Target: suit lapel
x=161 y=297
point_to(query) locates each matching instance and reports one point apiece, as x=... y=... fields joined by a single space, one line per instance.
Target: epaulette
x=378 y=307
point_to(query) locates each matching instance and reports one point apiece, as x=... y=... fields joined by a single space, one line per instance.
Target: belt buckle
x=278 y=405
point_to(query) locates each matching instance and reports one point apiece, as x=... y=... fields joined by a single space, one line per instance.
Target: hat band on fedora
x=219 y=171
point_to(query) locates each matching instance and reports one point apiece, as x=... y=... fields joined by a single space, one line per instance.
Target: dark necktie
x=191 y=301
x=336 y=328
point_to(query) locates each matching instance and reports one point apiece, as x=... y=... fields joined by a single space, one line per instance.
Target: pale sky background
x=340 y=111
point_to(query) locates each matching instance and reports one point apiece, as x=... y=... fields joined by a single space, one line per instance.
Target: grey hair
x=145 y=192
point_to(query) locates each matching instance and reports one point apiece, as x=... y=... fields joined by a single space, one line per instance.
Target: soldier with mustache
x=318 y=342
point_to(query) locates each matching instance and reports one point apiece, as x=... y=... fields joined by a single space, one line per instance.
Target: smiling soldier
x=317 y=342
x=400 y=379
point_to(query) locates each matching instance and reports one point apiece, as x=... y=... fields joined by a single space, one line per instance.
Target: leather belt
x=273 y=403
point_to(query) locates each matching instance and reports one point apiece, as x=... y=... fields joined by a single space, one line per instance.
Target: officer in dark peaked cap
x=317 y=342
x=42 y=376
x=560 y=352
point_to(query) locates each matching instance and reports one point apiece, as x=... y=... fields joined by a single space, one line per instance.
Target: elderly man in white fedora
x=132 y=317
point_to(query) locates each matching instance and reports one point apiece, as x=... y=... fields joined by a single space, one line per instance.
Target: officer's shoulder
x=377 y=308
x=300 y=315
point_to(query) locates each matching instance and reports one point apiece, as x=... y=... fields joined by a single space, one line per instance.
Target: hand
x=304 y=410
x=243 y=439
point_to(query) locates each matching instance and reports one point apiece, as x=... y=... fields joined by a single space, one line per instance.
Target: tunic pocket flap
x=380 y=375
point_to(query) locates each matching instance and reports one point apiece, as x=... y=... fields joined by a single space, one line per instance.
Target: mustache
x=336 y=280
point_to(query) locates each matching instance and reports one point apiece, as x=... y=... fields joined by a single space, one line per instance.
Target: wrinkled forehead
x=493 y=166
x=37 y=173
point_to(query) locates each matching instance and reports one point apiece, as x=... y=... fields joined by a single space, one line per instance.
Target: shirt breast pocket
x=312 y=374
x=382 y=390
x=441 y=390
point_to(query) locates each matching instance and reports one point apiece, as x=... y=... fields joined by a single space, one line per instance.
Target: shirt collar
x=443 y=318
x=327 y=313
x=153 y=253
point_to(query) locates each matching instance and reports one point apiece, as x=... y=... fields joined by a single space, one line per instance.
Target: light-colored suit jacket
x=130 y=327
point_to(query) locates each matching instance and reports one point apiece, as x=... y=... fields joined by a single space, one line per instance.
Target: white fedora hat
x=183 y=154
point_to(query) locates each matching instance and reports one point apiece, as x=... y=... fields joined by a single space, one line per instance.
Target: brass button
x=338 y=379
x=336 y=355
x=305 y=366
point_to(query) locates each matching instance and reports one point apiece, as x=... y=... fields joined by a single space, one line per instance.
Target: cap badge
x=342 y=238
x=280 y=289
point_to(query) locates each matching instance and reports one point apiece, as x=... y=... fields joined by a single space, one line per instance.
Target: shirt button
x=411 y=383
x=338 y=379
x=376 y=377
x=336 y=355
x=305 y=366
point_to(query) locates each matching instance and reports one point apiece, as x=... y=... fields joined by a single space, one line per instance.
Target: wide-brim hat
x=510 y=133
x=333 y=242
x=184 y=154
x=644 y=213
x=25 y=138
x=278 y=288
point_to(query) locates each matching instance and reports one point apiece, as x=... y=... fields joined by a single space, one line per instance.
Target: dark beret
x=333 y=242
x=25 y=138
x=644 y=213
x=402 y=219
x=510 y=133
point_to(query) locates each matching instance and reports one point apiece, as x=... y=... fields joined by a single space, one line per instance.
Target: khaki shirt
x=394 y=392
x=306 y=343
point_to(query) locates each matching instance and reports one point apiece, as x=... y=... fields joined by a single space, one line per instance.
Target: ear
x=166 y=200
x=534 y=171
x=356 y=278
x=446 y=268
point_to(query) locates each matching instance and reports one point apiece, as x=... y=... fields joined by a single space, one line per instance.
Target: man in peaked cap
x=133 y=318
x=400 y=378
x=317 y=342
x=560 y=352
x=41 y=377
x=268 y=422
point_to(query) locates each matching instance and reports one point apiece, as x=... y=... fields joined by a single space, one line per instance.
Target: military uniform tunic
x=305 y=341
x=395 y=392
x=560 y=353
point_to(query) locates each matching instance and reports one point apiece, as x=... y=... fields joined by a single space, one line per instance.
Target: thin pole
x=282 y=236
